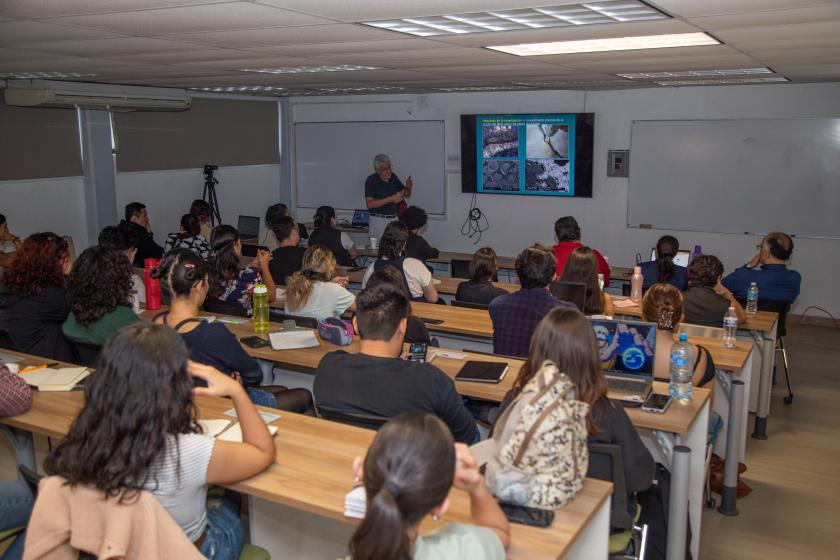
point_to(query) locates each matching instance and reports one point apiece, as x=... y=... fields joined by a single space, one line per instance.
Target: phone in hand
x=657 y=403
x=527 y=516
x=254 y=342
x=417 y=352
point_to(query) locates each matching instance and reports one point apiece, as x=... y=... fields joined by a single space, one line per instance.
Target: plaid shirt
x=15 y=395
x=515 y=316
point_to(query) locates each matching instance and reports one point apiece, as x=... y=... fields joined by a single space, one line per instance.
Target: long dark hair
x=190 y=225
x=394 y=238
x=224 y=263
x=38 y=262
x=101 y=279
x=582 y=267
x=408 y=471
x=666 y=249
x=138 y=398
x=323 y=217
x=565 y=337
x=180 y=270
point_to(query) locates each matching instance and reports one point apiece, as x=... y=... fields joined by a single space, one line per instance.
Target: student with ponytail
x=315 y=291
x=663 y=270
x=408 y=473
x=228 y=280
x=184 y=285
x=336 y=241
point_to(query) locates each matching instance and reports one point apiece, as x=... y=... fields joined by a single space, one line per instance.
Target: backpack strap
x=162 y=314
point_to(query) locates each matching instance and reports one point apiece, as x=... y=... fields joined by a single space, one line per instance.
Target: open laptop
x=573 y=292
x=628 y=350
x=681 y=259
x=248 y=228
x=361 y=218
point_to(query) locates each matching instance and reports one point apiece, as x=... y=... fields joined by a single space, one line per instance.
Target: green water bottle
x=260 y=308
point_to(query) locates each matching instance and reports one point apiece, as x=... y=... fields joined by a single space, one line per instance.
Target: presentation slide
x=526 y=154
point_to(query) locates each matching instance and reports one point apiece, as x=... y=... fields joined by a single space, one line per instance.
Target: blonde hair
x=318 y=265
x=663 y=305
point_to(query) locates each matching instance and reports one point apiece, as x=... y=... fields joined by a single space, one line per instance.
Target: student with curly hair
x=9 y=242
x=316 y=291
x=32 y=302
x=707 y=300
x=228 y=280
x=98 y=294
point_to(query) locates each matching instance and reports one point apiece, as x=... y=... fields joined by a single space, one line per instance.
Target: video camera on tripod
x=209 y=195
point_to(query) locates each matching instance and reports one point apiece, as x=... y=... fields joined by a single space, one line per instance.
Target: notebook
x=482 y=372
x=225 y=430
x=59 y=379
x=289 y=340
x=234 y=433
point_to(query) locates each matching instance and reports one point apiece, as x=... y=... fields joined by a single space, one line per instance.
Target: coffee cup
x=374 y=242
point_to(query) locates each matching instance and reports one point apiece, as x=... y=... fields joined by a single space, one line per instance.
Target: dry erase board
x=736 y=176
x=333 y=159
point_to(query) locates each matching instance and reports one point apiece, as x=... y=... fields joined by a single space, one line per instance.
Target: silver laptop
x=682 y=258
x=627 y=349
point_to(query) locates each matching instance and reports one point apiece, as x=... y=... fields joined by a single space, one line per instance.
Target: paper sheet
x=289 y=340
x=624 y=303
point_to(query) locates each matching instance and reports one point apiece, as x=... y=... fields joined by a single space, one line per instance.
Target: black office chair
x=86 y=353
x=358 y=419
x=627 y=539
x=470 y=305
x=277 y=316
x=7 y=342
x=459 y=268
x=782 y=308
x=225 y=307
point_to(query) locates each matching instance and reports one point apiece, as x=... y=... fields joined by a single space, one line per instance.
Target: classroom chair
x=631 y=539
x=225 y=307
x=277 y=316
x=572 y=292
x=86 y=353
x=7 y=342
x=470 y=305
x=781 y=307
x=358 y=419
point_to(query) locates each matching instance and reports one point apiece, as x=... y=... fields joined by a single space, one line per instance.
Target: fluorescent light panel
x=573 y=83
x=697 y=73
x=36 y=75
x=613 y=44
x=237 y=89
x=348 y=89
x=311 y=69
x=483 y=88
x=773 y=79
x=608 y=11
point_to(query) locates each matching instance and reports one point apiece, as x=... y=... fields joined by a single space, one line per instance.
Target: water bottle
x=682 y=368
x=260 y=299
x=152 y=285
x=636 y=282
x=697 y=252
x=730 y=326
x=752 y=299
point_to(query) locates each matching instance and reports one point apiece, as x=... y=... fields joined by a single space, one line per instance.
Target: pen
x=30 y=369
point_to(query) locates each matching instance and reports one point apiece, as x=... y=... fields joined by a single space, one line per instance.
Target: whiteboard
x=333 y=159
x=736 y=176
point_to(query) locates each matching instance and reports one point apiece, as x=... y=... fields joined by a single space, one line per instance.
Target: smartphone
x=657 y=403
x=417 y=352
x=254 y=341
x=528 y=516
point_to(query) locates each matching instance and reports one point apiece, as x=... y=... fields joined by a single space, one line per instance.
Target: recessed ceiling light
x=36 y=75
x=690 y=73
x=482 y=88
x=612 y=44
x=573 y=83
x=348 y=89
x=722 y=81
x=311 y=69
x=238 y=89
x=608 y=11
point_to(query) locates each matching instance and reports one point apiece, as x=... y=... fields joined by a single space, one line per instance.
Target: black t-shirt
x=284 y=262
x=418 y=248
x=331 y=239
x=376 y=188
x=146 y=246
x=35 y=322
x=473 y=291
x=388 y=387
x=703 y=306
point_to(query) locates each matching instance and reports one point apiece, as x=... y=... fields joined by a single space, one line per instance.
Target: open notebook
x=58 y=379
x=226 y=430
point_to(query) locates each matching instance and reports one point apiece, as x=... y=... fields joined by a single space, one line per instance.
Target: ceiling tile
x=754 y=36
x=695 y=8
x=424 y=57
x=387 y=45
x=278 y=36
x=27 y=9
x=122 y=45
x=14 y=33
x=771 y=18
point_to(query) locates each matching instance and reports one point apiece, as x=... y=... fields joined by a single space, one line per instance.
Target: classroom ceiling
x=312 y=47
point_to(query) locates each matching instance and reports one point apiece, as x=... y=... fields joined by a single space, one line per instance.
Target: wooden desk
x=312 y=474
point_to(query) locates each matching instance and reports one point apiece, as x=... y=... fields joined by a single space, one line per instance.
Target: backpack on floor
x=541 y=456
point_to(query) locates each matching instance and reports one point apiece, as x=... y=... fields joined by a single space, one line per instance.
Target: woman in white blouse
x=315 y=290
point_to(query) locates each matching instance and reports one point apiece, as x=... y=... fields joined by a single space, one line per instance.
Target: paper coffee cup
x=374 y=243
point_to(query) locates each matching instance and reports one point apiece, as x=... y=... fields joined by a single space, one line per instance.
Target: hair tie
x=189 y=266
x=392 y=487
x=666 y=319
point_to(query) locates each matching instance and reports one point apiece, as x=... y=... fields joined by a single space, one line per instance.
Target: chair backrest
x=605 y=464
x=459 y=268
x=225 y=307
x=700 y=330
x=86 y=353
x=7 y=342
x=277 y=316
x=369 y=421
x=775 y=306
x=470 y=305
x=573 y=292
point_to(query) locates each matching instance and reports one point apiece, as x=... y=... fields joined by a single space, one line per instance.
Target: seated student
x=479 y=288
x=202 y=211
x=377 y=381
x=408 y=472
x=336 y=241
x=663 y=270
x=15 y=497
x=268 y=237
x=415 y=329
x=184 y=285
x=122 y=238
x=316 y=291
x=189 y=237
x=417 y=278
x=567 y=232
x=9 y=242
x=565 y=337
x=516 y=315
x=32 y=304
x=137 y=218
x=99 y=292
x=144 y=380
x=287 y=258
x=774 y=280
x=582 y=267
x=415 y=219
x=228 y=280
x=707 y=300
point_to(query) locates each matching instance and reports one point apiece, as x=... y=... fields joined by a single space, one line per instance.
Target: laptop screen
x=627 y=348
x=572 y=292
x=248 y=227
x=361 y=217
x=681 y=259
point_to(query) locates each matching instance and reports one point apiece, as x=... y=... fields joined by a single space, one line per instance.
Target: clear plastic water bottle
x=636 y=282
x=260 y=299
x=730 y=327
x=682 y=368
x=752 y=299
